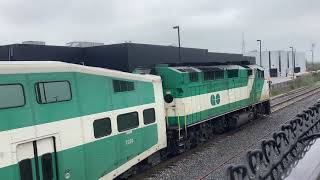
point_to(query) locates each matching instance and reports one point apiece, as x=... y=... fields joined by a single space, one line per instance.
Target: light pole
x=293 y=63
x=178 y=28
x=260 y=52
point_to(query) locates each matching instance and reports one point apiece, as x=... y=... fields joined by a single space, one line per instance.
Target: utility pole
x=243 y=44
x=293 y=63
x=178 y=28
x=260 y=52
x=10 y=53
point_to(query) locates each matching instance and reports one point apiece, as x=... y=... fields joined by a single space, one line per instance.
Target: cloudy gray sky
x=211 y=24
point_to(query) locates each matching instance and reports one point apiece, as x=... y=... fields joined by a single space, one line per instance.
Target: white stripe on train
x=69 y=132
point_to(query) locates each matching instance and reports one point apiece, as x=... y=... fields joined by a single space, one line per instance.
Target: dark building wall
x=22 y=52
x=224 y=57
x=250 y=59
x=108 y=56
x=144 y=55
x=124 y=57
x=4 y=53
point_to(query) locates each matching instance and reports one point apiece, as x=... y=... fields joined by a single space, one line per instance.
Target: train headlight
x=168 y=98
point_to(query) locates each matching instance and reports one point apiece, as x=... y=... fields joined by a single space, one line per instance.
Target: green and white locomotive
x=201 y=100
x=67 y=121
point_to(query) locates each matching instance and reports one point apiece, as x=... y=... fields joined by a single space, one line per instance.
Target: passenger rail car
x=200 y=100
x=65 y=121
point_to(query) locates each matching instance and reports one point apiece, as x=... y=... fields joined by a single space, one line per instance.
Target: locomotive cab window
x=102 y=127
x=260 y=74
x=52 y=92
x=127 y=121
x=11 y=95
x=149 y=116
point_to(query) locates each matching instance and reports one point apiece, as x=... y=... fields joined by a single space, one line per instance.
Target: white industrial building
x=279 y=63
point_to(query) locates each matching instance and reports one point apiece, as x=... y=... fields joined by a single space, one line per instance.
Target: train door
x=37 y=160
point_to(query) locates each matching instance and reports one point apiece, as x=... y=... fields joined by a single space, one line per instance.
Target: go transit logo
x=215 y=99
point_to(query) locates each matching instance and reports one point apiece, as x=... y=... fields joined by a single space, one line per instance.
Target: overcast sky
x=210 y=24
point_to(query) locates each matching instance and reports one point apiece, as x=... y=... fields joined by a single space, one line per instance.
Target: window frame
x=36 y=93
x=106 y=135
x=23 y=92
x=128 y=128
x=155 y=118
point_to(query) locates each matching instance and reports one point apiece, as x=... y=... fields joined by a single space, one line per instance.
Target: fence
x=283 y=86
x=277 y=155
x=296 y=83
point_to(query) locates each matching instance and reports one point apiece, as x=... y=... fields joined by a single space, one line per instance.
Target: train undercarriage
x=191 y=136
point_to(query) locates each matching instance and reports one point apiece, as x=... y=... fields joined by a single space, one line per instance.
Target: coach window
x=149 y=116
x=102 y=127
x=52 y=92
x=25 y=167
x=11 y=95
x=127 y=121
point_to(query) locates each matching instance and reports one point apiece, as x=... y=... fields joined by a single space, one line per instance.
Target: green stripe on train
x=90 y=94
x=94 y=160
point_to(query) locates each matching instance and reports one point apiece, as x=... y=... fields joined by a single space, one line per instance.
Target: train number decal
x=129 y=141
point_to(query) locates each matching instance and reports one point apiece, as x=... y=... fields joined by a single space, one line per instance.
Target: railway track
x=277 y=103
x=292 y=97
